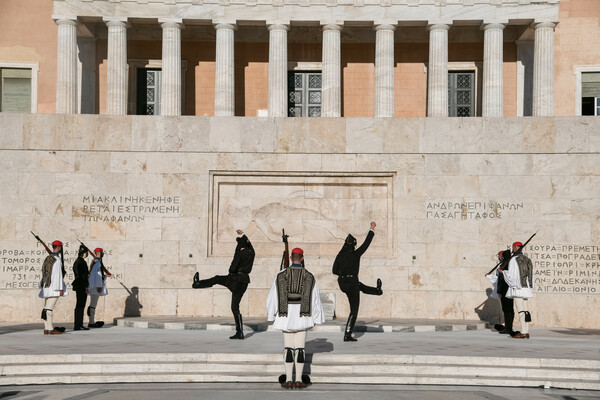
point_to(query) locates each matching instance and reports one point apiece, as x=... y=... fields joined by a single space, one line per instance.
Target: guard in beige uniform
x=52 y=286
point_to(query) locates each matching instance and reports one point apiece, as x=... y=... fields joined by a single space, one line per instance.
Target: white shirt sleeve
x=272 y=302
x=317 y=308
x=512 y=276
x=56 y=280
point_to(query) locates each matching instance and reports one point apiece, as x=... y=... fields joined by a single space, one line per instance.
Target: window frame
x=35 y=68
x=577 y=71
x=453 y=66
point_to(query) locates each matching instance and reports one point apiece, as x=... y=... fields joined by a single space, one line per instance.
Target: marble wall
x=164 y=195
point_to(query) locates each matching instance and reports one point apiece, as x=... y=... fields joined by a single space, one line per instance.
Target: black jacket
x=348 y=262
x=82 y=274
x=502 y=285
x=243 y=259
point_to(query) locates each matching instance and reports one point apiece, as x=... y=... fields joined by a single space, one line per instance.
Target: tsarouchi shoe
x=53 y=332
x=521 y=336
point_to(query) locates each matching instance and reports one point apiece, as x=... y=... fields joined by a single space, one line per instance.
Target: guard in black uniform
x=237 y=281
x=346 y=266
x=507 y=304
x=80 y=286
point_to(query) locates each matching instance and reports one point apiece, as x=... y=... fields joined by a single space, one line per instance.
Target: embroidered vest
x=294 y=286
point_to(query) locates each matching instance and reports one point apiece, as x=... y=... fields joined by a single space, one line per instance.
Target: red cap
x=98 y=250
x=297 y=250
x=500 y=252
x=517 y=244
x=57 y=243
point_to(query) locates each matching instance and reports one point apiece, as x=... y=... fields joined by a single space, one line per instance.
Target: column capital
x=384 y=27
x=65 y=20
x=176 y=23
x=544 y=24
x=493 y=25
x=278 y=25
x=116 y=21
x=437 y=25
x=330 y=26
x=225 y=25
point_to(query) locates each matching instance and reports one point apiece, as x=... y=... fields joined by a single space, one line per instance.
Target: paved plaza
x=273 y=392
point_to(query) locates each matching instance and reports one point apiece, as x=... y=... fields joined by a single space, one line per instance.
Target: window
x=461 y=93
x=18 y=87
x=590 y=93
x=144 y=86
x=304 y=94
x=148 y=91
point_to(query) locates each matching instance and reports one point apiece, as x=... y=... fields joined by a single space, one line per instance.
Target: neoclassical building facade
x=527 y=25
x=316 y=58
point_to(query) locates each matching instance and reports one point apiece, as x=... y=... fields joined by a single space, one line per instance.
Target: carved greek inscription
x=128 y=208
x=566 y=268
x=475 y=209
x=20 y=267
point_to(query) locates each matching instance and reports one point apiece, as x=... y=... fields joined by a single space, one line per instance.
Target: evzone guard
x=519 y=278
x=236 y=281
x=346 y=267
x=507 y=303
x=52 y=285
x=295 y=307
x=80 y=286
x=97 y=286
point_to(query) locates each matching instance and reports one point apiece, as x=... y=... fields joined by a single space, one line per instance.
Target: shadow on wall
x=490 y=310
x=133 y=308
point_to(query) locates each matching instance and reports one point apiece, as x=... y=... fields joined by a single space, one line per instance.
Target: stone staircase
x=323 y=368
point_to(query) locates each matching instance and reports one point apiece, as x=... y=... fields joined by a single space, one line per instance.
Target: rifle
x=514 y=252
x=285 y=259
x=86 y=248
x=104 y=270
x=61 y=254
x=42 y=242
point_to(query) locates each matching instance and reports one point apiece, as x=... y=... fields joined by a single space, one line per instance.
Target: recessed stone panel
x=313 y=208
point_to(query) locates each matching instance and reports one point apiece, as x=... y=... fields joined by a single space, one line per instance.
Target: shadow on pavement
x=577 y=332
x=19 y=328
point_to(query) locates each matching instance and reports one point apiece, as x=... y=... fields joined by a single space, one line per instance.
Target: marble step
x=318 y=369
x=317 y=358
x=382 y=379
x=325 y=368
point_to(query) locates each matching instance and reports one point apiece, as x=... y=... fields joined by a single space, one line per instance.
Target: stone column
x=384 y=70
x=543 y=69
x=225 y=70
x=331 y=88
x=278 y=70
x=66 y=68
x=437 y=100
x=171 y=89
x=493 y=104
x=116 y=76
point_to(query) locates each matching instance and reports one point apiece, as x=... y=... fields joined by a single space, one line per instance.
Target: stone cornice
x=514 y=11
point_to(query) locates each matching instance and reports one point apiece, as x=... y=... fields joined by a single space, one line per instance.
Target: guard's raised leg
x=376 y=291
